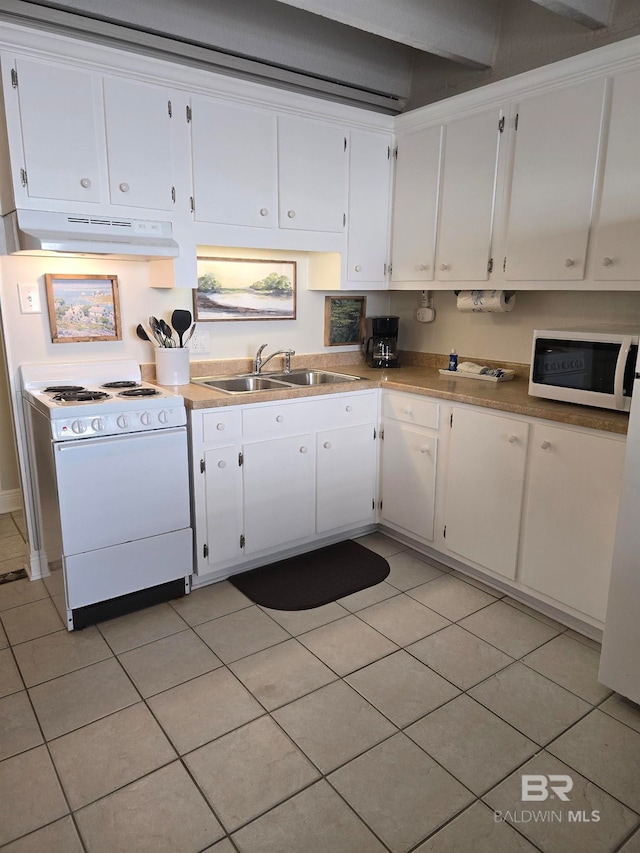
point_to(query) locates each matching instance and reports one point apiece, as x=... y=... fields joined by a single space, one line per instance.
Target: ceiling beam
x=462 y=30
x=593 y=14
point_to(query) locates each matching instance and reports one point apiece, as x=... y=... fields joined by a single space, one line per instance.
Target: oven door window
x=582 y=365
x=122 y=488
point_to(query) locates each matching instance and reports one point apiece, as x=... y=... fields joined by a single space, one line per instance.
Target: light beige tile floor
x=398 y=720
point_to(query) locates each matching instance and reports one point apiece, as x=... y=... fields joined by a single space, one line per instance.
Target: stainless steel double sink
x=249 y=382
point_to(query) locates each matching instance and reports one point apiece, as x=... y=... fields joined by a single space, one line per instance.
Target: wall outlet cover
x=200 y=342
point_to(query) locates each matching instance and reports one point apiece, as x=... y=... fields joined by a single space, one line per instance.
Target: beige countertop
x=509 y=396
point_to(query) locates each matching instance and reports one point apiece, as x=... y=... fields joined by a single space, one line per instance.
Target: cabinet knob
x=222 y=464
x=303 y=449
x=348 y=408
x=123 y=187
x=424 y=449
x=513 y=439
x=264 y=211
x=327 y=445
x=444 y=267
x=86 y=183
x=220 y=426
x=606 y=262
x=423 y=267
x=279 y=418
x=291 y=214
x=358 y=268
x=545 y=445
x=569 y=262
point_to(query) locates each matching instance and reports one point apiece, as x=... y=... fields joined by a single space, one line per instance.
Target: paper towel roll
x=485 y=301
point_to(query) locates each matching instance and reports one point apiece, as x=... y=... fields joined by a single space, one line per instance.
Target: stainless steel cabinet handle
x=327 y=445
x=358 y=268
x=85 y=182
x=291 y=214
x=123 y=187
x=303 y=449
x=221 y=426
x=264 y=211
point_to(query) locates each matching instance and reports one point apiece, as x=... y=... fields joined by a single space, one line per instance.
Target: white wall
x=507 y=337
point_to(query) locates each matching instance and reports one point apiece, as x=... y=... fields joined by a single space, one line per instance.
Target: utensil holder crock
x=172 y=366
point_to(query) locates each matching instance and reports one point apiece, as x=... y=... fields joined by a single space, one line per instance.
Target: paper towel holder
x=508 y=294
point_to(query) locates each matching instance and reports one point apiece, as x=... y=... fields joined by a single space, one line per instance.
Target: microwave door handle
x=621 y=365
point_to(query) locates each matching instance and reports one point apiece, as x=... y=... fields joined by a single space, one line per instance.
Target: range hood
x=32 y=232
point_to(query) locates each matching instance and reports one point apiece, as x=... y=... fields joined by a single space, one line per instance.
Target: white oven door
x=121 y=488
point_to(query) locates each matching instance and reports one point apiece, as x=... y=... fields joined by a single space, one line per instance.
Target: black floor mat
x=315 y=578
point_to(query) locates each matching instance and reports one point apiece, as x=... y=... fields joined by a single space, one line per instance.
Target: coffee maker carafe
x=382 y=347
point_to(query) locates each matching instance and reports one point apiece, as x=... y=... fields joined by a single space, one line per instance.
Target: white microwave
x=593 y=367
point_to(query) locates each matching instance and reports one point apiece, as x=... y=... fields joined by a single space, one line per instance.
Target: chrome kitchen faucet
x=259 y=363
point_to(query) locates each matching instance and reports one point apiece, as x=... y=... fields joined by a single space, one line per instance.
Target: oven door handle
x=74 y=444
x=621 y=366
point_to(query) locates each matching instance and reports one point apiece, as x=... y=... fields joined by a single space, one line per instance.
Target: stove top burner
x=139 y=392
x=122 y=383
x=63 y=389
x=81 y=396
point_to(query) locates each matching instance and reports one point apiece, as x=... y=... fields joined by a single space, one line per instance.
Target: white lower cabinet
x=345 y=477
x=570 y=516
x=223 y=504
x=485 y=483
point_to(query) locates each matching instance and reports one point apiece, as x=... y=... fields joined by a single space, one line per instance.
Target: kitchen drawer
x=347 y=410
x=221 y=426
x=411 y=409
x=280 y=420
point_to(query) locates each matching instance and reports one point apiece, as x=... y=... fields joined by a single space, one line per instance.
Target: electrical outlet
x=29 y=299
x=199 y=342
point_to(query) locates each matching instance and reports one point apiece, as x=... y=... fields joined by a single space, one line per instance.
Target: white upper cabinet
x=312 y=175
x=616 y=250
x=368 y=215
x=554 y=174
x=60 y=117
x=468 y=196
x=415 y=206
x=234 y=154
x=138 y=120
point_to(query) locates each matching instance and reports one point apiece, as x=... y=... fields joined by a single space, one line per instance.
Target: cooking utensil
x=181 y=320
x=189 y=334
x=154 y=325
x=141 y=332
x=167 y=331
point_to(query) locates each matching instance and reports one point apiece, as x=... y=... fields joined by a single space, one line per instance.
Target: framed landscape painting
x=245 y=289
x=344 y=320
x=83 y=308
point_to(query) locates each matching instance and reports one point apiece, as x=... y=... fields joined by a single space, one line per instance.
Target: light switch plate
x=29 y=299
x=200 y=342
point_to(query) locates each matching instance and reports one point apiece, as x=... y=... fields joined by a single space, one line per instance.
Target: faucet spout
x=259 y=362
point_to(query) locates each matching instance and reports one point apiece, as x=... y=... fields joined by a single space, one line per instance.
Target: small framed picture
x=83 y=308
x=344 y=320
x=245 y=289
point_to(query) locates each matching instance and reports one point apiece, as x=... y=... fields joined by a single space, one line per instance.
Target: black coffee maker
x=382 y=347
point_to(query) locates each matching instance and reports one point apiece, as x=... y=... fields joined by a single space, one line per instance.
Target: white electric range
x=110 y=474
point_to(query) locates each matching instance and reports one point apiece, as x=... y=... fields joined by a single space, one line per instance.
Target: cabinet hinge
x=345 y=143
x=382 y=434
x=501 y=125
x=373 y=503
x=444 y=532
x=375 y=434
x=385 y=269
x=189 y=113
x=205 y=550
x=203 y=466
x=240 y=459
x=14 y=78
x=170 y=109
x=173 y=194
x=490 y=266
x=380 y=504
x=344 y=219
x=395 y=152
x=192 y=204
x=451 y=420
x=388 y=152
x=504 y=265
x=390 y=268
x=515 y=124
x=23 y=177
x=241 y=540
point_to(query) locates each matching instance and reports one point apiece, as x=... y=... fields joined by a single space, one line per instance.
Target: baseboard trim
x=10 y=500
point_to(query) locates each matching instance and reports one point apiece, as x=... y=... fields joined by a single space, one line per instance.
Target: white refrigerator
x=620 y=659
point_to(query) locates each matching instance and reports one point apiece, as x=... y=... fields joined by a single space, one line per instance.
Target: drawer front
x=411 y=409
x=221 y=426
x=347 y=410
x=280 y=420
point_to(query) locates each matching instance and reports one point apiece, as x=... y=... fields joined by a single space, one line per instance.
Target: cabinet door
x=138 y=144
x=368 y=217
x=234 y=164
x=312 y=175
x=485 y=482
x=415 y=205
x=62 y=133
x=572 y=503
x=467 y=197
x=346 y=473
x=616 y=253
x=279 y=491
x=223 y=507
x=408 y=478
x=557 y=142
